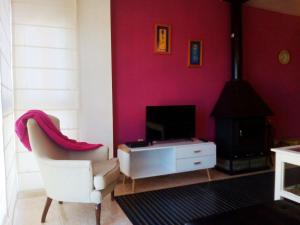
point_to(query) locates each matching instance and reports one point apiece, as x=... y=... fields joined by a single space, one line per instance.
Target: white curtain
x=3 y=204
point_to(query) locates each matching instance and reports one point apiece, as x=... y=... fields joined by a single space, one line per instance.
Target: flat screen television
x=170 y=122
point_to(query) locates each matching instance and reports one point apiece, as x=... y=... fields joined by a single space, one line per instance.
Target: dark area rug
x=177 y=206
x=274 y=213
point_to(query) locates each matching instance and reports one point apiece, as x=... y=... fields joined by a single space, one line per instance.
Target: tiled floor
x=29 y=206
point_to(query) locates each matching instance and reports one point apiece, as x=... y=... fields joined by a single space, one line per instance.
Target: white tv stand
x=166 y=158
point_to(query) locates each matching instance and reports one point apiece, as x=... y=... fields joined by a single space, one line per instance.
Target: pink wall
x=141 y=77
x=265 y=35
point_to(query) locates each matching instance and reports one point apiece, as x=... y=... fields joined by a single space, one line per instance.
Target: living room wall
x=141 y=77
x=265 y=34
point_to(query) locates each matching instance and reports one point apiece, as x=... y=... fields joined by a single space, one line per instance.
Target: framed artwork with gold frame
x=162 y=43
x=195 y=53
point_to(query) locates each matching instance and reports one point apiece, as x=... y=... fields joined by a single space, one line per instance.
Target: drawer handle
x=197 y=151
x=197 y=163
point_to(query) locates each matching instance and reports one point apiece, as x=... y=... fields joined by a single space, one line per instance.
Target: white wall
x=96 y=114
x=45 y=70
x=8 y=168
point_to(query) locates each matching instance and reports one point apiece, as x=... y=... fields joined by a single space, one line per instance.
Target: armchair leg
x=98 y=213
x=46 y=208
x=112 y=195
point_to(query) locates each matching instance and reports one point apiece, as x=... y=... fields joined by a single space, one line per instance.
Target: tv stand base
x=133 y=181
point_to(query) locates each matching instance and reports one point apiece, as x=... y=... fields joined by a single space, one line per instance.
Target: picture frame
x=195 y=53
x=162 y=43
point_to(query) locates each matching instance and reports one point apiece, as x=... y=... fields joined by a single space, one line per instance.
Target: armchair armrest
x=67 y=180
x=99 y=154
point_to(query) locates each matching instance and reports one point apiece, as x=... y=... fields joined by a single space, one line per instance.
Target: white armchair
x=71 y=176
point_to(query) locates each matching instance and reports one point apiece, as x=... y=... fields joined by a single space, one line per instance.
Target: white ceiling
x=291 y=7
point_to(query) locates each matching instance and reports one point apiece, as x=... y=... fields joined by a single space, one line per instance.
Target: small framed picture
x=195 y=53
x=162 y=39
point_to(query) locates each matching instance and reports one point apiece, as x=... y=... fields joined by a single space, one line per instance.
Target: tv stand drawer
x=196 y=150
x=198 y=163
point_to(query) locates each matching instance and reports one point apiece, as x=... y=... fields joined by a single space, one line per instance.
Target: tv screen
x=170 y=122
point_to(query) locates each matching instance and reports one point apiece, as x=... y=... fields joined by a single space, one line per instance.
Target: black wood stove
x=242 y=131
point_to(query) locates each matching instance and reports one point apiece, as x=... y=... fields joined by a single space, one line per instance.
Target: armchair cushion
x=105 y=172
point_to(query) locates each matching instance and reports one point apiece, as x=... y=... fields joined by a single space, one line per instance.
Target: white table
x=291 y=155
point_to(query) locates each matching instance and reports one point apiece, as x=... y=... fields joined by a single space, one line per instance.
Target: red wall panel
x=141 y=77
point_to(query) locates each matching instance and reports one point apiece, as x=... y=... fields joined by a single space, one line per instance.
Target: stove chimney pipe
x=236 y=38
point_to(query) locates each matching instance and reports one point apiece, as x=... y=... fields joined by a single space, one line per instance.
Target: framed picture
x=195 y=53
x=162 y=39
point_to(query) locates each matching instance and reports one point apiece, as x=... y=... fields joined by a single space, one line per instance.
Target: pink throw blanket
x=50 y=130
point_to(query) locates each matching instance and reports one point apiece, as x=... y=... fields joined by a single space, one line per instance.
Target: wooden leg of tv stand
x=208 y=174
x=133 y=185
x=124 y=178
